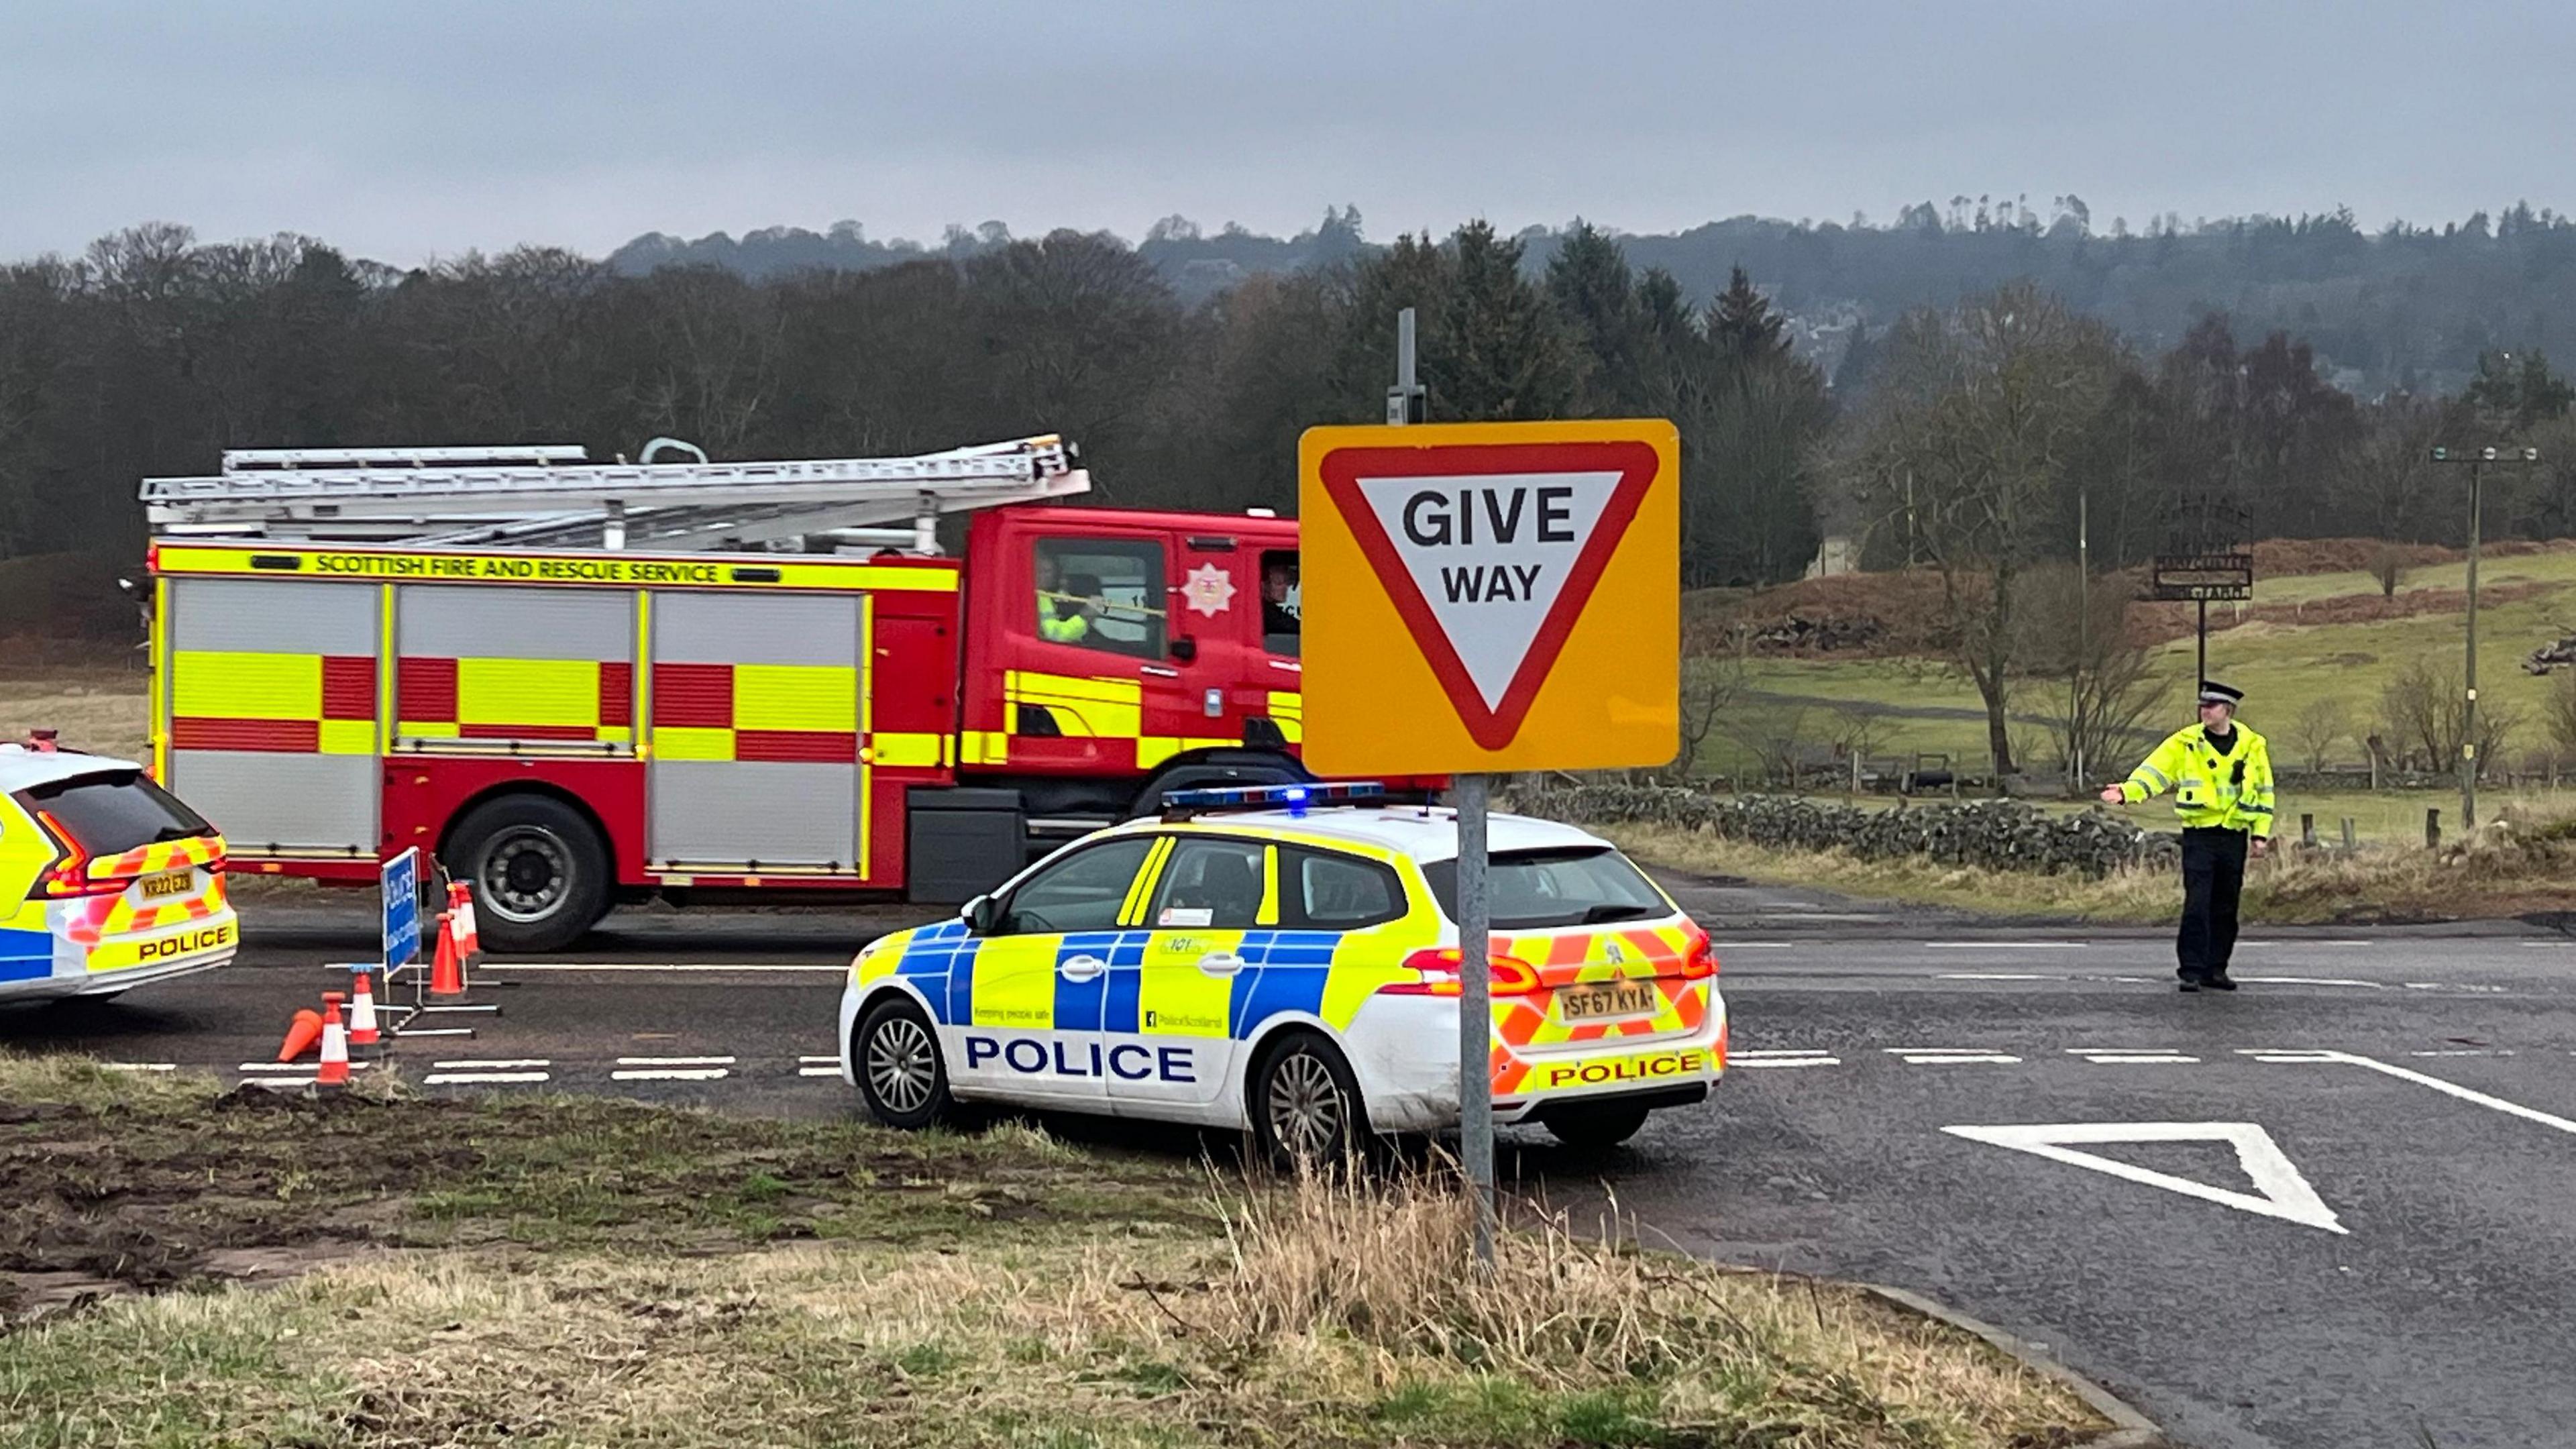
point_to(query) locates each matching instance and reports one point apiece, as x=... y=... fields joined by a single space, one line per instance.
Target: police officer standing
x=2221 y=776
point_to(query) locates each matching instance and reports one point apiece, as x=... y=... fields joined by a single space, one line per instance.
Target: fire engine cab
x=578 y=683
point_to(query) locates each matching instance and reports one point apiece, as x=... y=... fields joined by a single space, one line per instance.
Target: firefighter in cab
x=2220 y=774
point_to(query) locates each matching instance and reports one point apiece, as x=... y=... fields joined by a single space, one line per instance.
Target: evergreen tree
x=1503 y=352
x=1741 y=324
x=1589 y=281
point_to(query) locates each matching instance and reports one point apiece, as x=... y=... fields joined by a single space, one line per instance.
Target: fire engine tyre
x=538 y=869
x=1305 y=1106
x=895 y=1055
x=1216 y=769
x=1597 y=1128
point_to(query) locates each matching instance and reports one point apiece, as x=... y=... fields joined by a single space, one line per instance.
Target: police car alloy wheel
x=1306 y=1109
x=901 y=1076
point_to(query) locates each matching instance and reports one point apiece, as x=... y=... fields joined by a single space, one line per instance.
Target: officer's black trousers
x=2213 y=876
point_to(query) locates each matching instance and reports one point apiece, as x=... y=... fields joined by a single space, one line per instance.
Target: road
x=2337 y=1208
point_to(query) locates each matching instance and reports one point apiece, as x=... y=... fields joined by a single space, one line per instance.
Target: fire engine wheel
x=538 y=870
x=1305 y=1106
x=901 y=1076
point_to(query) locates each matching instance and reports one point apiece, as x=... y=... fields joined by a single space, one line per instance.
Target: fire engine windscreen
x=1535 y=890
x=1102 y=593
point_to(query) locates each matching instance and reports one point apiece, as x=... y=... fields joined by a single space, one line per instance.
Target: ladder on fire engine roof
x=558 y=497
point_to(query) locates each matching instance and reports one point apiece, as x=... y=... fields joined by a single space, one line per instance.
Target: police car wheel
x=1305 y=1105
x=901 y=1076
x=1595 y=1129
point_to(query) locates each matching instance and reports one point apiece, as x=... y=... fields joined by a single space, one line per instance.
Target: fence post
x=2432 y=827
x=2308 y=830
x=2347 y=832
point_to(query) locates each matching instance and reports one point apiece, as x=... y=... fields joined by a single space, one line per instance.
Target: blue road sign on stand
x=401 y=879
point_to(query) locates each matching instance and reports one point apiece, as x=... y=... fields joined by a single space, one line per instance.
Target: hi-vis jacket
x=2232 y=791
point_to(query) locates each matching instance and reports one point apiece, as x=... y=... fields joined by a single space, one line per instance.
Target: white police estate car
x=107 y=881
x=1284 y=959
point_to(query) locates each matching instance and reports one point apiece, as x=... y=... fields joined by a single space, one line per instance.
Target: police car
x=1284 y=959
x=107 y=881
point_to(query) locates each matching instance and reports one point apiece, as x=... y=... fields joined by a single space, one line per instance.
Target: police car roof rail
x=538 y=496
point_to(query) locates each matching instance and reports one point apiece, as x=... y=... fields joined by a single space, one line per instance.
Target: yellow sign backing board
x=1491 y=596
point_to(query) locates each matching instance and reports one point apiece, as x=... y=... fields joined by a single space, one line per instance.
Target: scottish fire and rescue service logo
x=1208 y=590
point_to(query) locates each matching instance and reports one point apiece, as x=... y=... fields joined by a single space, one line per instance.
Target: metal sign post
x=1404 y=404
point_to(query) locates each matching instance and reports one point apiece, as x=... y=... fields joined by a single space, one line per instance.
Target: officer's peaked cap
x=2213 y=692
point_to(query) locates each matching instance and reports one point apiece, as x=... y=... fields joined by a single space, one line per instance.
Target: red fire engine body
x=567 y=730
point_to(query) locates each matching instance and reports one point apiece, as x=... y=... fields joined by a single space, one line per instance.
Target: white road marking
x=140 y=1066
x=672 y=1074
x=1996 y=976
x=1753 y=945
x=2005 y=945
x=675 y=1061
x=819 y=1061
x=461 y=1010
x=296 y=1066
x=411 y=1031
x=2468 y=1052
x=442 y=1079
x=2313 y=981
x=2139 y=1059
x=818 y=1071
x=1937 y=1051
x=2453 y=986
x=2409 y=1074
x=678 y=968
x=1733 y=1062
x=478 y=1064
x=2307 y=943
x=1960 y=1059
x=2283 y=1193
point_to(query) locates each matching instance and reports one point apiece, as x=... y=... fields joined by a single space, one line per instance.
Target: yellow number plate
x=169 y=883
x=1585 y=1003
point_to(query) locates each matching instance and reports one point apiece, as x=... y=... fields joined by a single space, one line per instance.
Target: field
x=184 y=1266
x=2305 y=637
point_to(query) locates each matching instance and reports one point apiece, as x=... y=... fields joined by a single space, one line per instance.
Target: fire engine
x=580 y=683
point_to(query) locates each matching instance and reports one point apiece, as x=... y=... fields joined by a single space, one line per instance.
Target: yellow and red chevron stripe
x=515 y=699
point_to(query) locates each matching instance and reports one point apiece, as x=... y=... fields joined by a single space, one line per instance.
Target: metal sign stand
x=1405 y=404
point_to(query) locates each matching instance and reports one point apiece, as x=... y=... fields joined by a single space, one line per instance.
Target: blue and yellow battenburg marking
x=1017 y=982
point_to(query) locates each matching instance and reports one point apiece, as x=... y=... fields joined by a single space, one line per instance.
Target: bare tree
x=2388 y=567
x=1773 y=737
x=1980 y=411
x=2317 y=728
x=1712 y=679
x=2103 y=684
x=2424 y=712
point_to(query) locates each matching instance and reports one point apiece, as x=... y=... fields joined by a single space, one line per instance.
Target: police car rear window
x=1529 y=890
x=110 y=814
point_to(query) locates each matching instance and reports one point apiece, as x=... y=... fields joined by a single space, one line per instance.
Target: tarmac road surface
x=2336 y=1208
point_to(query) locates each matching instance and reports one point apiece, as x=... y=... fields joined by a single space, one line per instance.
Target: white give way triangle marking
x=2279 y=1190
x=1490 y=554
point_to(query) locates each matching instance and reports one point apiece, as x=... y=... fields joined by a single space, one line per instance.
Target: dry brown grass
x=1331 y=1315
x=97 y=707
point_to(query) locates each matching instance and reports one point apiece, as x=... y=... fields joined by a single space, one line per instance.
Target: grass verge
x=2521 y=866
x=612 y=1273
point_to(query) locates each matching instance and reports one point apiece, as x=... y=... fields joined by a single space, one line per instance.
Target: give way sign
x=1490 y=596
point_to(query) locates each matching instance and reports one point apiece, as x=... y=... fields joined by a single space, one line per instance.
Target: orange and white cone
x=469 y=934
x=446 y=973
x=335 y=1045
x=364 y=1038
x=302 y=1031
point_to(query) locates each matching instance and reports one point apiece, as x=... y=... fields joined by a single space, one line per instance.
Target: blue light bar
x=1295 y=799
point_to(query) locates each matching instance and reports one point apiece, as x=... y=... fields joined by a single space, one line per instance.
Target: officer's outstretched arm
x=2153 y=777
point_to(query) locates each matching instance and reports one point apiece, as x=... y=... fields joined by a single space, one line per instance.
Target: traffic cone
x=469 y=934
x=446 y=973
x=364 y=1039
x=301 y=1033
x=335 y=1044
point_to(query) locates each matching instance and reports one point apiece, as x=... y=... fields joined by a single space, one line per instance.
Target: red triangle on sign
x=1532 y=501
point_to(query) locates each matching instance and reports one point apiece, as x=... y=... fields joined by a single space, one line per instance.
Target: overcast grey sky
x=402 y=131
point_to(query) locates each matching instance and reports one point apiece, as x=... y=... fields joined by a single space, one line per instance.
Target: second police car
x=1284 y=960
x=107 y=881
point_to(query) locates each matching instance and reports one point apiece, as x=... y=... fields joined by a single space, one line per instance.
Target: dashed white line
x=2005 y=945
x=833 y=1071
x=1753 y=945
x=296 y=1067
x=1760 y=1062
x=675 y=1061
x=2313 y=981
x=819 y=1061
x=2139 y=1059
x=496 y=1064
x=2408 y=1074
x=443 y=1079
x=1995 y=976
x=1962 y=1059
x=672 y=1074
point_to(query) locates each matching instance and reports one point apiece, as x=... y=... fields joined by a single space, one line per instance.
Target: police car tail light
x=1700 y=961
x=1510 y=975
x=70 y=875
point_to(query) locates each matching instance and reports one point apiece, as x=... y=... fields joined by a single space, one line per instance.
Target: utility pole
x=2083 y=628
x=2477 y=462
